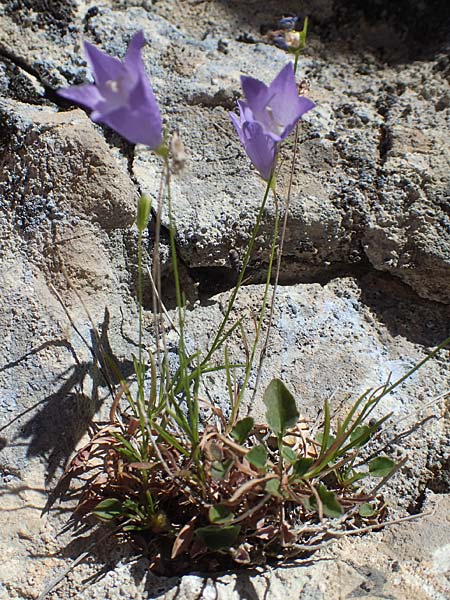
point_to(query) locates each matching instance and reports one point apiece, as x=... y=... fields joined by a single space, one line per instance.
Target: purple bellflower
x=122 y=96
x=260 y=147
x=268 y=115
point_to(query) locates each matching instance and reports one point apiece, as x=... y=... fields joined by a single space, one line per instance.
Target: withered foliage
x=244 y=495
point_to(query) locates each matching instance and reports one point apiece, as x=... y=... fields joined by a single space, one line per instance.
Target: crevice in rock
x=90 y=13
x=55 y=16
x=50 y=93
x=439 y=483
x=384 y=143
x=416 y=505
x=225 y=98
x=213 y=280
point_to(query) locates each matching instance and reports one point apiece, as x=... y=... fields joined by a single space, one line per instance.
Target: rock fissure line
x=50 y=92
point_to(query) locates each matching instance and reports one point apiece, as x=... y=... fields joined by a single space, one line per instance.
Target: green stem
x=249 y=365
x=139 y=282
x=183 y=375
x=442 y=345
x=218 y=337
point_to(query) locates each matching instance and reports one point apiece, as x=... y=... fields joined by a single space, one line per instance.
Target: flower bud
x=288 y=23
x=293 y=39
x=178 y=153
x=143 y=212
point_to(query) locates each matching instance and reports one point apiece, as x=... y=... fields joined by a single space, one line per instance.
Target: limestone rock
x=366 y=262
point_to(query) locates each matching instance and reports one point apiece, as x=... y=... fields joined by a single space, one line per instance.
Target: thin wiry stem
x=278 y=268
x=250 y=359
x=158 y=296
x=218 y=337
x=156 y=269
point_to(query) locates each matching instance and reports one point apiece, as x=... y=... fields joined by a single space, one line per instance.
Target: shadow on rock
x=64 y=416
x=403 y=312
x=401 y=31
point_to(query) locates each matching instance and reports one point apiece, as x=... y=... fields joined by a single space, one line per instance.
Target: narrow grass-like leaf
x=171 y=440
x=108 y=509
x=130 y=456
x=281 y=411
x=241 y=430
x=381 y=466
x=353 y=476
x=153 y=398
x=360 y=436
x=326 y=430
x=133 y=452
x=228 y=379
x=218 y=538
x=354 y=408
x=257 y=456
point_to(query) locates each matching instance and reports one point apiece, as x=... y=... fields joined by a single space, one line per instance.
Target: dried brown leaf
x=142 y=466
x=241 y=554
x=133 y=426
x=287 y=537
x=247 y=488
x=184 y=539
x=267 y=533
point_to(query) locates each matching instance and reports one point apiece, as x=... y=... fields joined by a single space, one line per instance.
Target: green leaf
x=257 y=456
x=326 y=430
x=325 y=442
x=288 y=454
x=352 y=476
x=217 y=538
x=302 y=465
x=360 y=436
x=273 y=487
x=216 y=451
x=132 y=508
x=220 y=514
x=367 y=510
x=143 y=212
x=308 y=503
x=131 y=456
x=133 y=451
x=170 y=439
x=381 y=466
x=242 y=429
x=331 y=506
x=108 y=509
x=219 y=470
x=281 y=411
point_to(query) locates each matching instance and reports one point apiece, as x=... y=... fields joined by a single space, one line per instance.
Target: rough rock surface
x=366 y=269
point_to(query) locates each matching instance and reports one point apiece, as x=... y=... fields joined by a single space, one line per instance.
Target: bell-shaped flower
x=267 y=116
x=260 y=148
x=276 y=107
x=122 y=96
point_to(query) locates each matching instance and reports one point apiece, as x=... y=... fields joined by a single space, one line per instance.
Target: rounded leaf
x=281 y=411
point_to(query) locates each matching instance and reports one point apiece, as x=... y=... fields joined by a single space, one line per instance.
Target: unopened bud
x=143 y=212
x=293 y=39
x=178 y=153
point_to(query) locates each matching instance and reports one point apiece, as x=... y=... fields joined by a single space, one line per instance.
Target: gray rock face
x=366 y=269
x=61 y=191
